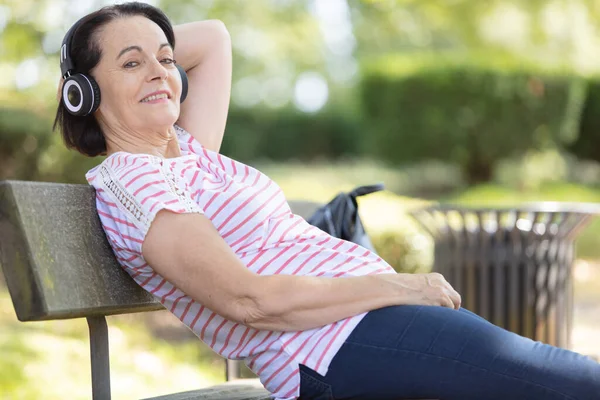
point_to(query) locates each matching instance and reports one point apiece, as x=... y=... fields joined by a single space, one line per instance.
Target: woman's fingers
x=447 y=301
x=455 y=297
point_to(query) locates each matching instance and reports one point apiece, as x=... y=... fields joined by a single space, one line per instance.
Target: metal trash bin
x=511 y=266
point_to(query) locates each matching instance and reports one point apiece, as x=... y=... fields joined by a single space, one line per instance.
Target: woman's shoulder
x=120 y=164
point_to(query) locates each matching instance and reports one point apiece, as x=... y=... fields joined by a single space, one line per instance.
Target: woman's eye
x=132 y=64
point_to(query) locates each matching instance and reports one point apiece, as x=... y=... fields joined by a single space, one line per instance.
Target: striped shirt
x=251 y=214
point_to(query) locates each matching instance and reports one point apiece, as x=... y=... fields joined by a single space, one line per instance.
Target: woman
x=215 y=241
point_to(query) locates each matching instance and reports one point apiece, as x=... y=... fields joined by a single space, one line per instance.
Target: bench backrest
x=56 y=260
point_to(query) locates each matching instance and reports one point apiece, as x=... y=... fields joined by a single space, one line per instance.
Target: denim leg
x=440 y=353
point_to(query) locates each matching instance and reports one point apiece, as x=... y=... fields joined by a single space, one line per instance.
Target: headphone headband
x=67 y=67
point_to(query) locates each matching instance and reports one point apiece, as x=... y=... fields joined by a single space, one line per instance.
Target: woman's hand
x=291 y=302
x=423 y=289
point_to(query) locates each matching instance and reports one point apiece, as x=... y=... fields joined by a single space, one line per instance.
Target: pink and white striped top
x=251 y=213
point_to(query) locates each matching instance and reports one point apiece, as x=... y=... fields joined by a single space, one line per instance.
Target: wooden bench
x=58 y=264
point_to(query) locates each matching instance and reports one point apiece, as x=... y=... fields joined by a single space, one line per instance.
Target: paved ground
x=586 y=324
x=586 y=339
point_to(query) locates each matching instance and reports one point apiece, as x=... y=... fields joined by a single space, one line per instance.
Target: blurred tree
x=587 y=145
x=23 y=138
x=469 y=115
x=275 y=41
x=467 y=26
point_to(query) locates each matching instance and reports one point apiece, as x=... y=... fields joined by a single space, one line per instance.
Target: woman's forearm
x=194 y=41
x=203 y=49
x=293 y=303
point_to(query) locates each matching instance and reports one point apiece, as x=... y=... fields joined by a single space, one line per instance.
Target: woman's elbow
x=256 y=304
x=218 y=29
x=251 y=314
x=256 y=312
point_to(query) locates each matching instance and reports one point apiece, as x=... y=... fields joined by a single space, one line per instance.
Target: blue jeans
x=428 y=352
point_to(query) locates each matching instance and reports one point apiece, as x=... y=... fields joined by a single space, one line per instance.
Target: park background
x=480 y=103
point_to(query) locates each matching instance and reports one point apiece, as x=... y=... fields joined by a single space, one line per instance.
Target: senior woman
x=215 y=241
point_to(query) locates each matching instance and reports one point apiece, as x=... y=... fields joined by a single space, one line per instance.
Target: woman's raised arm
x=203 y=49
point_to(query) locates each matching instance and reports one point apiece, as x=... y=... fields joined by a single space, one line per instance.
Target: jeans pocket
x=312 y=386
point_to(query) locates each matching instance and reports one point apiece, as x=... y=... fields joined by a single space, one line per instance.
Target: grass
x=50 y=358
x=496 y=195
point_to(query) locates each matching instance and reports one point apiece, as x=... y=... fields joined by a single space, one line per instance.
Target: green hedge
x=284 y=135
x=587 y=143
x=24 y=135
x=471 y=115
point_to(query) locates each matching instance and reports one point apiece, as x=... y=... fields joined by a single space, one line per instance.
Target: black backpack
x=340 y=216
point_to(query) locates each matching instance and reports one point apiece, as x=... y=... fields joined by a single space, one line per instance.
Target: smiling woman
x=215 y=240
x=129 y=54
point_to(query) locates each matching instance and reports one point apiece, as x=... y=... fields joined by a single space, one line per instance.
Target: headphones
x=80 y=92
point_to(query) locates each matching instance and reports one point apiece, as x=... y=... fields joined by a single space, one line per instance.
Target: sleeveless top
x=251 y=214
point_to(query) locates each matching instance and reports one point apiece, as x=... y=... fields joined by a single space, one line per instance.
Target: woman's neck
x=164 y=145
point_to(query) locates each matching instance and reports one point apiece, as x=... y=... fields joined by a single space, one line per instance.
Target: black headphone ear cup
x=96 y=93
x=81 y=95
x=184 y=83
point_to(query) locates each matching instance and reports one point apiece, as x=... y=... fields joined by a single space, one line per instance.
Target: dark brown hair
x=84 y=133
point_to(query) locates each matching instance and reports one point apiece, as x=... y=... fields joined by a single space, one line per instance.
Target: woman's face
x=136 y=61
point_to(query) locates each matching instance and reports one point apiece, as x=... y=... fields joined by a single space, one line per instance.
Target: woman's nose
x=157 y=71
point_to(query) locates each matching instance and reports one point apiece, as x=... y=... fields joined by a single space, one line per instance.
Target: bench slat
x=244 y=389
x=55 y=257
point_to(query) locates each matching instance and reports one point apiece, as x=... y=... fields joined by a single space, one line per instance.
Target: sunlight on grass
x=45 y=360
x=495 y=195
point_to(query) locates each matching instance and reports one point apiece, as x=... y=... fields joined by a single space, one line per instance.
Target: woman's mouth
x=156 y=98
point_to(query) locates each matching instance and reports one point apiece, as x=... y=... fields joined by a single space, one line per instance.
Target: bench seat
x=241 y=389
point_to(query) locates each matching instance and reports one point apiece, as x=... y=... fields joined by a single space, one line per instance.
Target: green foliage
x=270 y=39
x=23 y=138
x=20 y=41
x=253 y=134
x=587 y=145
x=471 y=115
x=400 y=249
x=469 y=27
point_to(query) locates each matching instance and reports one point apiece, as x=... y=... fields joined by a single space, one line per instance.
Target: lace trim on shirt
x=169 y=176
x=131 y=206
x=180 y=131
